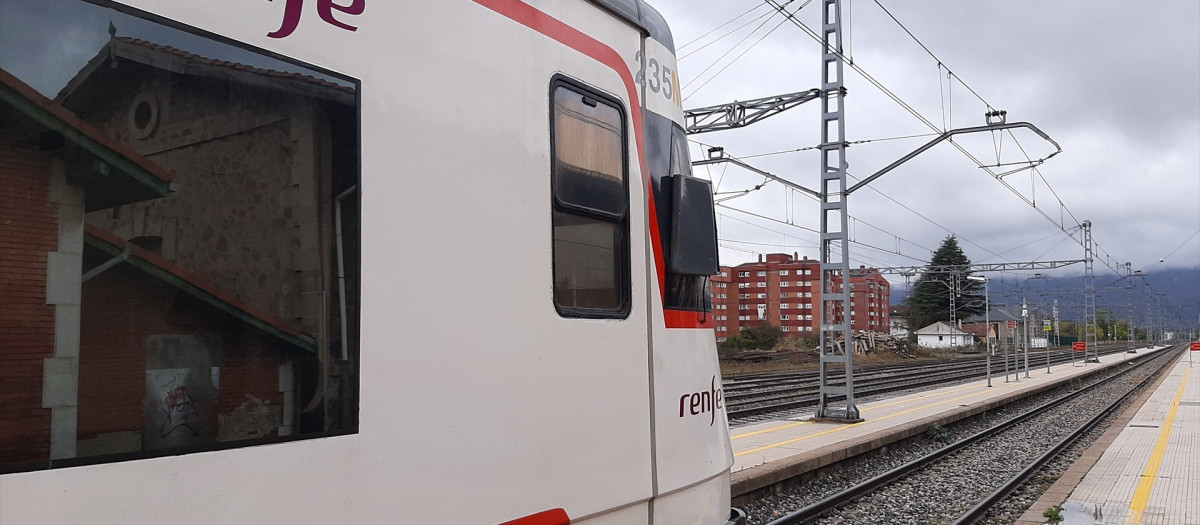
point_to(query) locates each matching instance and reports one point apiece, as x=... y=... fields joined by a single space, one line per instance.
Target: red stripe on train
x=549 y=517
x=688 y=319
x=554 y=28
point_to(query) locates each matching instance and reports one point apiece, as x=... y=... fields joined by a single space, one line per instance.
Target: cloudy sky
x=1116 y=84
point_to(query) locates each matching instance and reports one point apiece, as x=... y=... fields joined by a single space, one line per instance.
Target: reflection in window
x=185 y=213
x=585 y=262
x=591 y=250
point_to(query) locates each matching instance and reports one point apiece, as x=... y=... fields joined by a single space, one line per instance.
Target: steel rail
x=979 y=511
x=740 y=379
x=848 y=495
x=881 y=384
x=733 y=413
x=767 y=378
x=795 y=387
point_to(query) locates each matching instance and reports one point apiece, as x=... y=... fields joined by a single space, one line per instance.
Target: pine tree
x=929 y=301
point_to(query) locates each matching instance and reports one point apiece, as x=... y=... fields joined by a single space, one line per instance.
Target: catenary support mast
x=1091 y=353
x=836 y=337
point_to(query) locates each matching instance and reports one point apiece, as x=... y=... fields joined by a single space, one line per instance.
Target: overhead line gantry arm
x=717 y=155
x=742 y=113
x=947 y=134
x=983 y=267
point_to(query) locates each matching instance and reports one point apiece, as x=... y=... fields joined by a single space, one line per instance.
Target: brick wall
x=114 y=322
x=249 y=369
x=28 y=230
x=124 y=306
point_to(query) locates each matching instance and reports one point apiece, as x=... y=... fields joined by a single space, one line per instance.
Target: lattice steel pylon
x=953 y=313
x=837 y=345
x=1090 y=353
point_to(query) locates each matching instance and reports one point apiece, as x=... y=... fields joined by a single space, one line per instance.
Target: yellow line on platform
x=1141 y=496
x=864 y=409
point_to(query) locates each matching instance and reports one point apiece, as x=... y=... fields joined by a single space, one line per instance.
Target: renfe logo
x=325 y=8
x=698 y=403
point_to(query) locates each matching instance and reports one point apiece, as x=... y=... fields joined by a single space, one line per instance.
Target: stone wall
x=249 y=212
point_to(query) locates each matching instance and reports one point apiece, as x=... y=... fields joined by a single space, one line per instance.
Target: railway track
x=791 y=388
x=749 y=388
x=752 y=400
x=963 y=481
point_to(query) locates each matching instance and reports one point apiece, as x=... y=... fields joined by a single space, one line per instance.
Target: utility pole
x=1090 y=354
x=1150 y=335
x=1025 y=333
x=1057 y=340
x=1107 y=326
x=1045 y=337
x=953 y=313
x=987 y=331
x=1129 y=335
x=835 y=252
x=833 y=194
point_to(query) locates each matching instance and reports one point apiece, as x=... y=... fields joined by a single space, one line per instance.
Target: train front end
x=353 y=261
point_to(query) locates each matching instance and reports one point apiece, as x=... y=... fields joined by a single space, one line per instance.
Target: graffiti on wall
x=181 y=412
x=182 y=383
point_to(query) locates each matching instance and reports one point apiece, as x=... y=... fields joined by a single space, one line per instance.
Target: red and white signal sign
x=1079 y=346
x=1196 y=346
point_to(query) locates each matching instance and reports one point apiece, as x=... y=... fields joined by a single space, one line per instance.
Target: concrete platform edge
x=1058 y=493
x=751 y=483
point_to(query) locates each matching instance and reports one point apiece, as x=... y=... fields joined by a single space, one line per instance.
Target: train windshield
x=185 y=271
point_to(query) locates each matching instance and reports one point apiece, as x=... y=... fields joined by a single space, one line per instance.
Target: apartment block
x=785 y=290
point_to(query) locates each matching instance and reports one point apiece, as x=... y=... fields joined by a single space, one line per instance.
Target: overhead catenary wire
x=734 y=194
x=740 y=55
x=1038 y=240
x=1060 y=224
x=1056 y=245
x=935 y=57
x=805 y=228
x=771 y=244
x=898 y=203
x=1036 y=174
x=930 y=221
x=722 y=37
x=730 y=50
x=1032 y=201
x=898 y=238
x=878 y=85
x=1181 y=245
x=713 y=30
x=817 y=146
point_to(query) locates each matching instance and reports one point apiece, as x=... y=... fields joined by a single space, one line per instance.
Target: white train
x=353 y=261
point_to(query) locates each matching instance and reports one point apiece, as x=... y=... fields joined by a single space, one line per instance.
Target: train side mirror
x=693 y=249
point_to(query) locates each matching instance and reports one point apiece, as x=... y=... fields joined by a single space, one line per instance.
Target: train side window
x=189 y=208
x=590 y=219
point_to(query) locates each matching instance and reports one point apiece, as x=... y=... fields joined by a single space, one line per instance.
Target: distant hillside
x=1181 y=286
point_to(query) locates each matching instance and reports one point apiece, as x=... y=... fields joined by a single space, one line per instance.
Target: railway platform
x=770 y=453
x=1145 y=469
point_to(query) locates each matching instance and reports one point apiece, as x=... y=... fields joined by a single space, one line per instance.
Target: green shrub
x=1053 y=514
x=758 y=337
x=938 y=433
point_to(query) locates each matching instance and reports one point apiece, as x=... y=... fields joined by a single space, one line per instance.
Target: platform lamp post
x=987 y=323
x=1025 y=333
x=1046 y=332
x=1025 y=324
